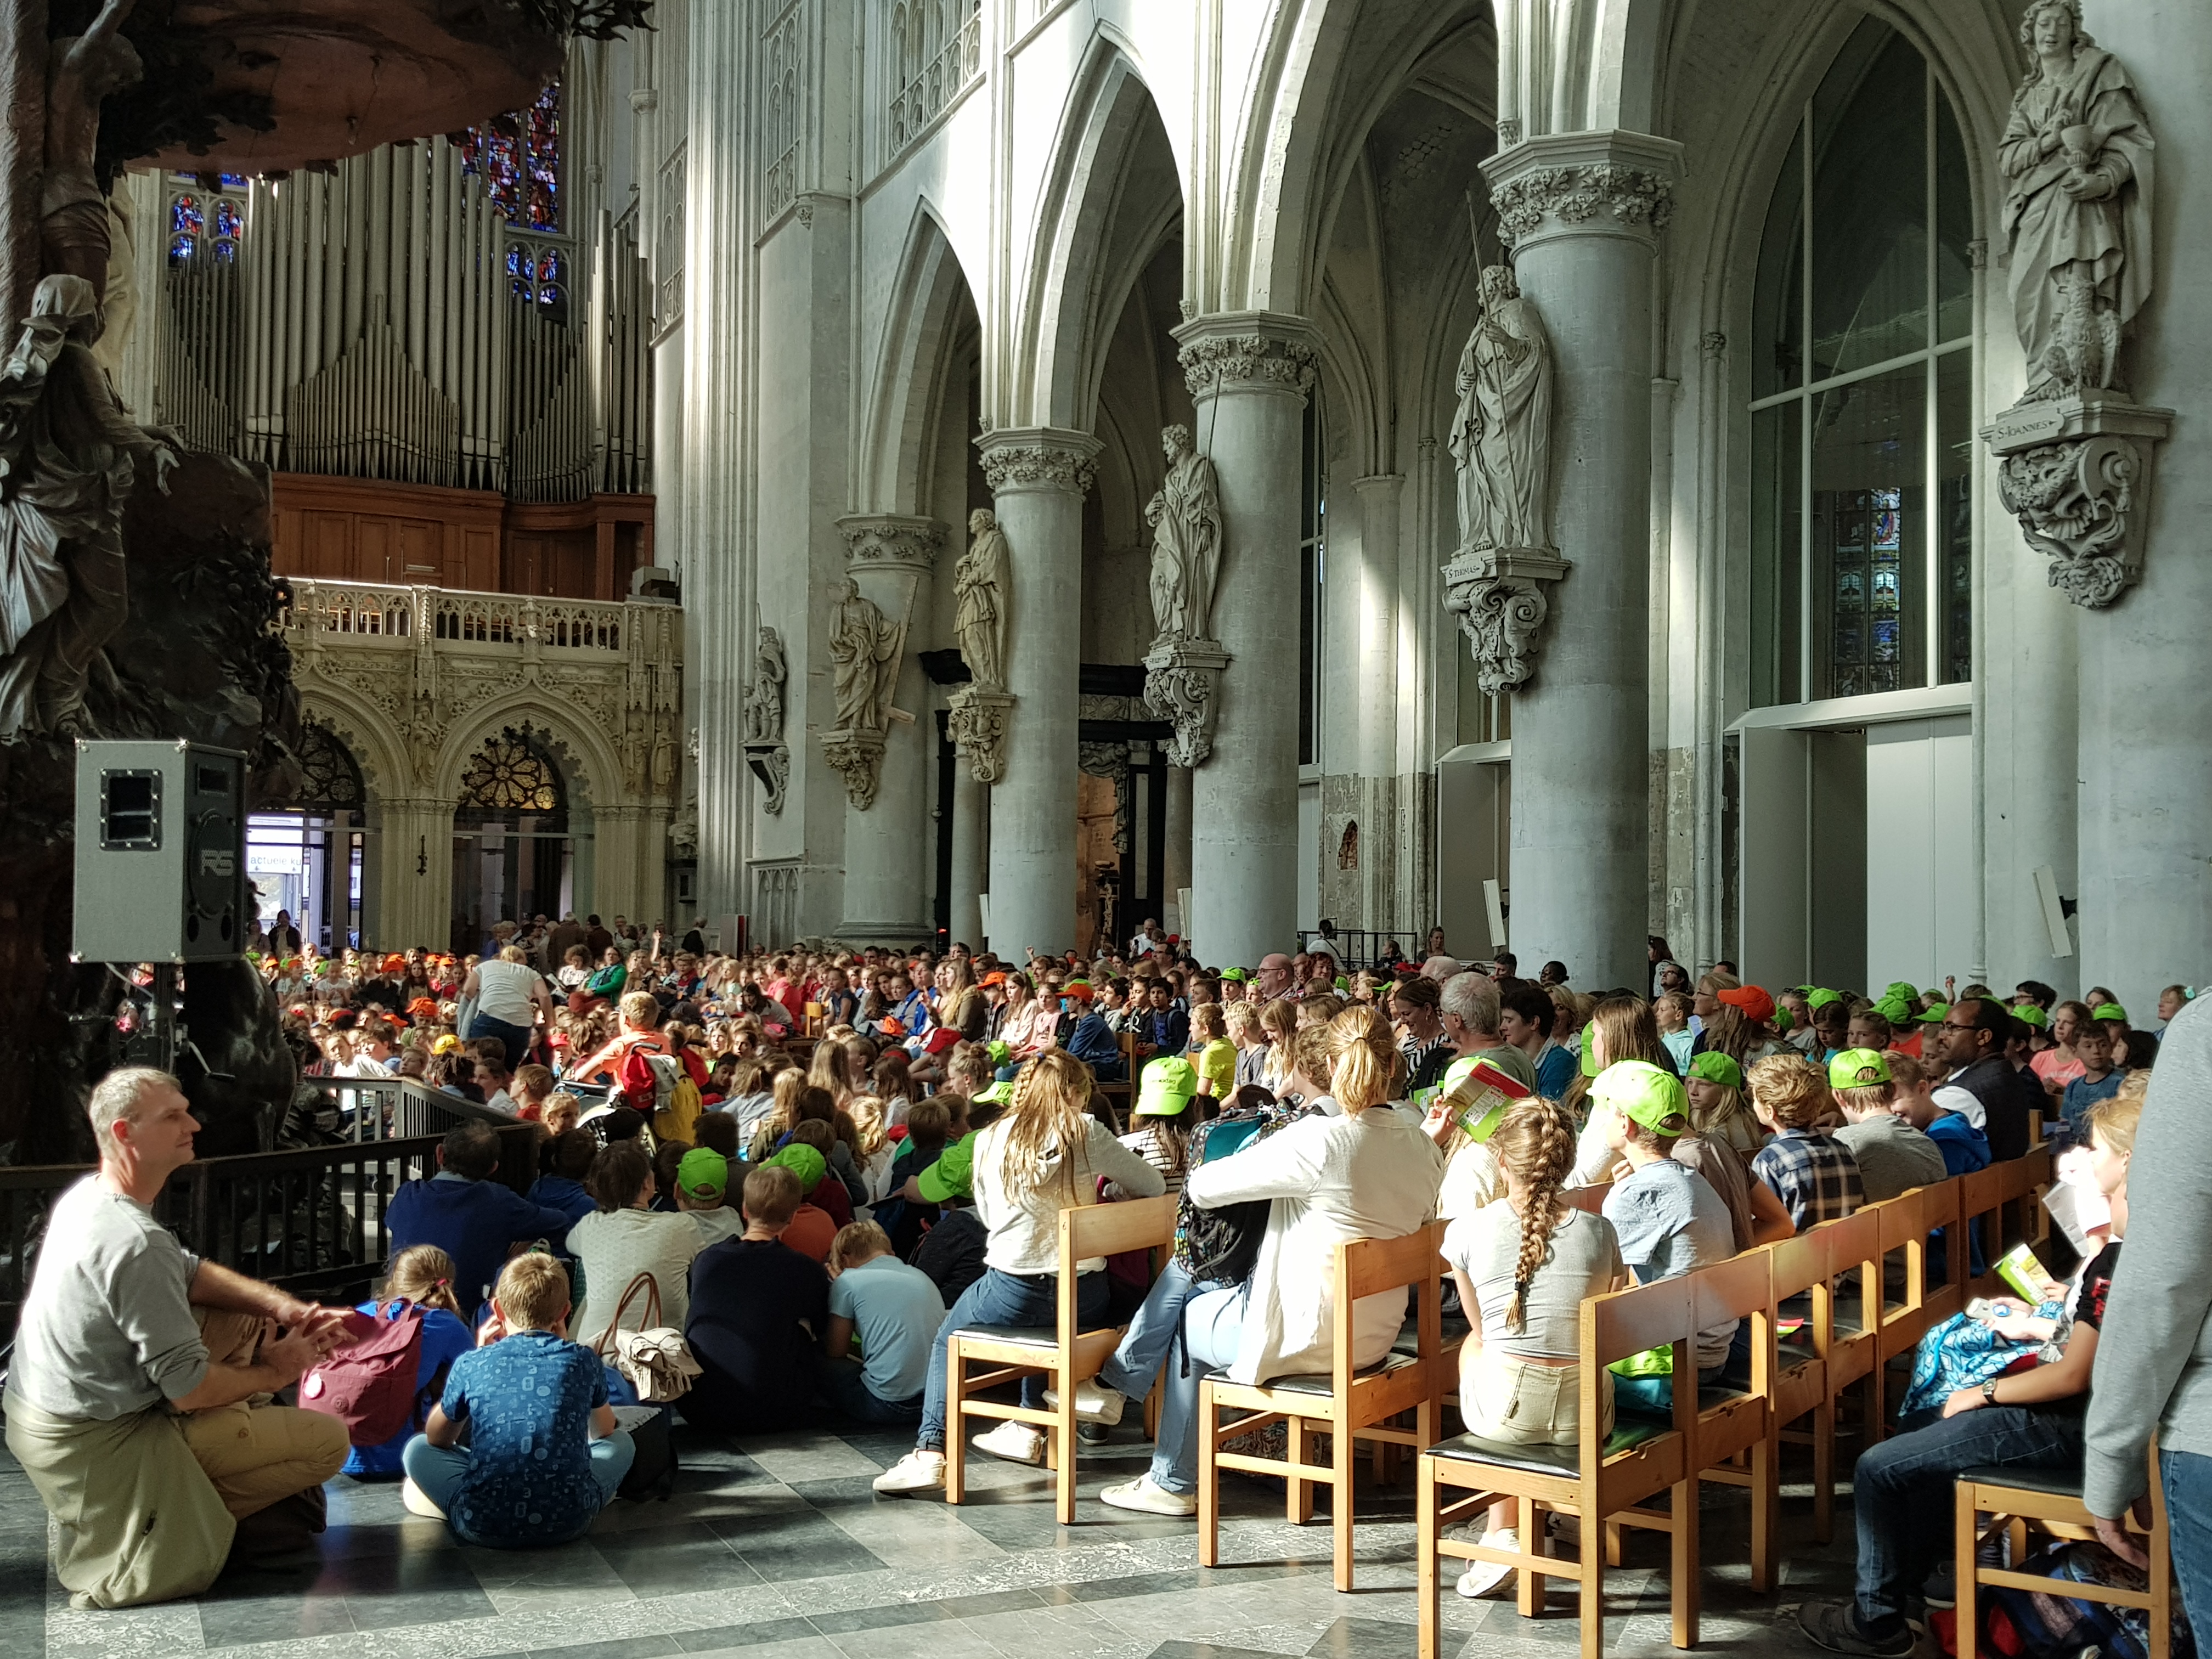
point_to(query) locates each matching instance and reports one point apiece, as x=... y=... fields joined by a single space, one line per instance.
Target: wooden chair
x=1121 y=1095
x=1732 y=1423
x=1842 y=1334
x=1063 y=1351
x=1907 y=1223
x=2053 y=1496
x=1601 y=1478
x=1350 y=1405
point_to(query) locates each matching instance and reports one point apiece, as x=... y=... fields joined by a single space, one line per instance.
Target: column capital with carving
x=1265 y=351
x=1570 y=184
x=1039 y=458
x=884 y=541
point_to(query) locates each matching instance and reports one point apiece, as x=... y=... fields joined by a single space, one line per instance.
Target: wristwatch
x=1990 y=1392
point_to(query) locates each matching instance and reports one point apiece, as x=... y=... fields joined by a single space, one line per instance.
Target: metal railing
x=310 y=1219
x=1362 y=947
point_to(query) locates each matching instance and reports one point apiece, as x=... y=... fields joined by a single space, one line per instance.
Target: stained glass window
x=539 y=275
x=203 y=225
x=509 y=775
x=517 y=155
x=328 y=775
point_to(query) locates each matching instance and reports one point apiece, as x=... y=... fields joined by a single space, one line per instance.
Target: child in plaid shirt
x=1812 y=1172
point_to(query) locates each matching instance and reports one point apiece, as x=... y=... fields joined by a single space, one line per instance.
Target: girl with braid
x=1524 y=1267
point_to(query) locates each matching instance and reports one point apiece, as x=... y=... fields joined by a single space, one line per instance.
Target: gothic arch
x=590 y=766
x=369 y=737
x=906 y=398
x=1091 y=243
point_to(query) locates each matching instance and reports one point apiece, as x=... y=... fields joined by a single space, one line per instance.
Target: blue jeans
x=1000 y=1299
x=845 y=1386
x=1902 y=1494
x=1212 y=1330
x=2187 y=1478
x=517 y=1039
x=438 y=1469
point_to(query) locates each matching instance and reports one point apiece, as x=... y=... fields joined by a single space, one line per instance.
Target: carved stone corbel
x=1182 y=682
x=2076 y=472
x=1499 y=595
x=977 y=725
x=858 y=757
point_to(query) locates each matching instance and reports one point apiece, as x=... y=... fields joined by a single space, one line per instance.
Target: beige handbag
x=654 y=1359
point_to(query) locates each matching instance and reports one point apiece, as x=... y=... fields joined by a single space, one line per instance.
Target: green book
x=2019 y=1268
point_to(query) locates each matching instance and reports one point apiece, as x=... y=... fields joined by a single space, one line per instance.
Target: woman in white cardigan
x=1046 y=1155
x=1368 y=1173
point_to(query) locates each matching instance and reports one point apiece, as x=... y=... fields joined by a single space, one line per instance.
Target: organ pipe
x=368 y=326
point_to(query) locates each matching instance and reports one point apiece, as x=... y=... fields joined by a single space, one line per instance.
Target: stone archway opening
x=306 y=856
x=514 y=853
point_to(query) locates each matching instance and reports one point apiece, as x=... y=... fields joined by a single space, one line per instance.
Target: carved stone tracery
x=1212 y=361
x=976 y=722
x=1183 y=680
x=1500 y=599
x=1575 y=195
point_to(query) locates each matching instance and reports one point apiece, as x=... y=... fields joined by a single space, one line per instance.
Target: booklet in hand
x=1478 y=1103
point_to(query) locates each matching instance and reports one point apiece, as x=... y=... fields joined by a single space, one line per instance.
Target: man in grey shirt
x=135 y=1420
x=2154 y=1366
x=1468 y=1007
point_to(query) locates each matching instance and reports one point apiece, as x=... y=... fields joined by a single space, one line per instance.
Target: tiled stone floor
x=778 y=1547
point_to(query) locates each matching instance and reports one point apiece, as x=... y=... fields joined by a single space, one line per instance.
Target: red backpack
x=371 y=1386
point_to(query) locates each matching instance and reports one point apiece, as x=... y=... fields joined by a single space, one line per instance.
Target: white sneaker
x=1017 y=1442
x=1146 y=1498
x=417 y=1501
x=1483 y=1578
x=1094 y=1403
x=918 y=1471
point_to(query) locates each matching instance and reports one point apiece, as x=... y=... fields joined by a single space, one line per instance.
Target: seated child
x=1523 y=1269
x=421 y=1275
x=566 y=1160
x=1894 y=1156
x=759 y=1310
x=809 y=1229
x=1813 y=1173
x=545 y=1456
x=2026 y=1415
x=895 y=1309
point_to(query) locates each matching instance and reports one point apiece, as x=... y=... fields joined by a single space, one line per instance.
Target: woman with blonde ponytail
x=1360 y=1167
x=1523 y=1269
x=1047 y=1154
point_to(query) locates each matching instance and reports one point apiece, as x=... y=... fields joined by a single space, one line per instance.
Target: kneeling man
x=137 y=1402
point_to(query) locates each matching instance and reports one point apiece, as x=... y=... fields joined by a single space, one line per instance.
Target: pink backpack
x=371 y=1386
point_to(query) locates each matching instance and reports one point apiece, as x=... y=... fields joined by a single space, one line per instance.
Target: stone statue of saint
x=864 y=660
x=1501 y=433
x=1185 y=519
x=764 y=696
x=82 y=72
x=69 y=456
x=2077 y=156
x=980 y=581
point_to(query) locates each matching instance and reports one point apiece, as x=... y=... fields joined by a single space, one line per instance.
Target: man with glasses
x=1982 y=1085
x=1273 y=979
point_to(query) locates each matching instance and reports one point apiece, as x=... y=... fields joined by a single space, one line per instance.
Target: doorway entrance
x=514 y=853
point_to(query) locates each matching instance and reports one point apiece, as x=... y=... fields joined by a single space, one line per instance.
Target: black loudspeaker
x=160 y=853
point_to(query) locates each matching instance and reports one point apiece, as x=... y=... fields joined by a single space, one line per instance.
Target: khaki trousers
x=257 y=1454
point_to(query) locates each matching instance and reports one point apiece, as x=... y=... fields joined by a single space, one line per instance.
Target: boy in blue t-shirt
x=2100 y=1078
x=545 y=1456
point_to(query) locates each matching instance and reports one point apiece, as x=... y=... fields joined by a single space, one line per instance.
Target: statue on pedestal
x=1185 y=514
x=764 y=696
x=980 y=582
x=2075 y=453
x=2076 y=157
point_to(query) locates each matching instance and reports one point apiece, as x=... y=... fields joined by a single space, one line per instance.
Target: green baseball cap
x=999 y=1094
x=1782 y=1019
x=2108 y=1011
x=703 y=1173
x=2029 y=1013
x=1902 y=990
x=953 y=1175
x=1713 y=1066
x=1235 y=975
x=1936 y=1014
x=1850 y=1069
x=1168 y=1086
x=1897 y=1010
x=1643 y=1094
x=1342 y=983
x=1820 y=997
x=1590 y=1066
x=1001 y=1055
x=802 y=1161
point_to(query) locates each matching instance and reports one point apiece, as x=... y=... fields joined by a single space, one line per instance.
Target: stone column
x=2146 y=657
x=1581 y=211
x=1177 y=861
x=413 y=898
x=971 y=803
x=886 y=829
x=1248 y=373
x=1038 y=477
